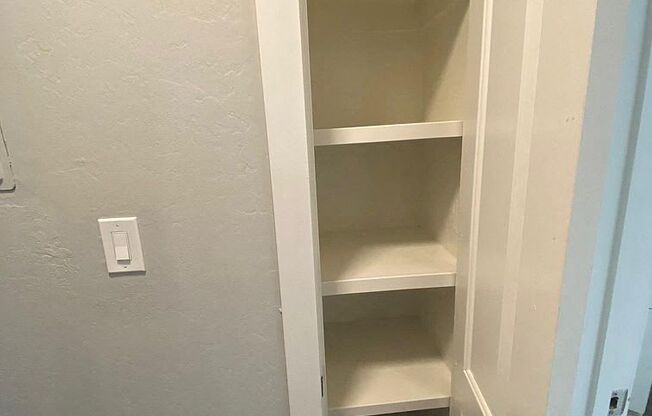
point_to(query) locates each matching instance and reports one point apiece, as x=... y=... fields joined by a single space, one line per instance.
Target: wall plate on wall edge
x=7 y=182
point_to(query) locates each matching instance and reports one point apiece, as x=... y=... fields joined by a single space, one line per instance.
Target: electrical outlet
x=617 y=402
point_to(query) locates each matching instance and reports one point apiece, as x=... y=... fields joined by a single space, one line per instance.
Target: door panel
x=492 y=232
x=495 y=203
x=523 y=137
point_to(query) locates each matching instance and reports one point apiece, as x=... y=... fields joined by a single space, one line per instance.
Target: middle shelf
x=388 y=215
x=388 y=133
x=383 y=260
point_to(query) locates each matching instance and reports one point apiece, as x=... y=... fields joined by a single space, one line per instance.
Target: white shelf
x=384 y=366
x=383 y=260
x=388 y=133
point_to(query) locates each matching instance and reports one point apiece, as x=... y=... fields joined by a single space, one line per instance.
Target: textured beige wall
x=154 y=109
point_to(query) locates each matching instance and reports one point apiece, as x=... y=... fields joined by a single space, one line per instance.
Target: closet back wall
x=386 y=61
x=154 y=109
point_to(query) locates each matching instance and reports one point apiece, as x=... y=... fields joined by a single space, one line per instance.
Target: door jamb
x=282 y=37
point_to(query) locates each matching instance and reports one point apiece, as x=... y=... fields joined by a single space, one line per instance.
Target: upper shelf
x=388 y=133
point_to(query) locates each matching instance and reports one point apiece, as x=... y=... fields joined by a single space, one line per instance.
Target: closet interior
x=388 y=80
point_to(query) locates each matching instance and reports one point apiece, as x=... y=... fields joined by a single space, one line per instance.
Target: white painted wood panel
x=562 y=198
x=527 y=134
x=282 y=29
x=498 y=212
x=381 y=260
x=388 y=133
x=467 y=399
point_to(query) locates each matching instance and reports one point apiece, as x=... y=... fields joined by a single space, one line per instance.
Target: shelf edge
x=388 y=133
x=388 y=283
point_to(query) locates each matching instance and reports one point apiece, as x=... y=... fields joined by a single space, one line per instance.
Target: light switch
x=122 y=247
x=7 y=182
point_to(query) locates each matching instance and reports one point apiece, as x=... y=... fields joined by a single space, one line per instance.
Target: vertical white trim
x=282 y=35
x=520 y=175
x=467 y=397
x=477 y=393
x=477 y=177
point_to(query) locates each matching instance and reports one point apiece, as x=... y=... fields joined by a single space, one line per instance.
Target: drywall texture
x=153 y=109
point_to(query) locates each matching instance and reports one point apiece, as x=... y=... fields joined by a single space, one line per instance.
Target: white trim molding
x=282 y=35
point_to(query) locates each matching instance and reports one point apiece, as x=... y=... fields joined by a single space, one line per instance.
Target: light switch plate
x=7 y=182
x=128 y=225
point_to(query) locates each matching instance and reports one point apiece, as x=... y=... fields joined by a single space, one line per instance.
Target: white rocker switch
x=7 y=182
x=122 y=248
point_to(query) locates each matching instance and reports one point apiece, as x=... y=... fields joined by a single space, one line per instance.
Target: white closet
x=424 y=162
x=387 y=80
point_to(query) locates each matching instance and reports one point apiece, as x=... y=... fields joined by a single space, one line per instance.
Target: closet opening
x=387 y=88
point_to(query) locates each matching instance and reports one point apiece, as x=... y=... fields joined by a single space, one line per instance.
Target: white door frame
x=595 y=105
x=584 y=310
x=282 y=37
x=627 y=294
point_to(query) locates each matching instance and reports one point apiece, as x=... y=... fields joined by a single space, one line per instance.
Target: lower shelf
x=384 y=366
x=383 y=260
